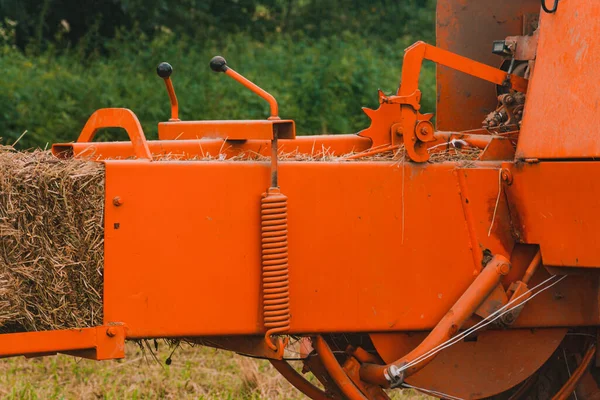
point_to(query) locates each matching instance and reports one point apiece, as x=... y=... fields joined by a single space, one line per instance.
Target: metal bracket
x=99 y=343
x=413 y=100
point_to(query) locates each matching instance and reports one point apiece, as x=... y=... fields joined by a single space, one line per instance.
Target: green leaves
x=321 y=84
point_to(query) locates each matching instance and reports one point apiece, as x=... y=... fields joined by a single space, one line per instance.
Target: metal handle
x=164 y=70
x=117 y=118
x=219 y=64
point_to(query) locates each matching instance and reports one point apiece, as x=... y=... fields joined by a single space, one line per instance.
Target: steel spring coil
x=275 y=280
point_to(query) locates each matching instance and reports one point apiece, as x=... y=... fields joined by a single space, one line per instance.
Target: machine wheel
x=547 y=381
x=553 y=375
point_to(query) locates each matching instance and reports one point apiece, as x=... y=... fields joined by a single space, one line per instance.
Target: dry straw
x=51 y=232
x=51 y=241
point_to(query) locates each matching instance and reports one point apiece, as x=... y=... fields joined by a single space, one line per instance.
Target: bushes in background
x=320 y=83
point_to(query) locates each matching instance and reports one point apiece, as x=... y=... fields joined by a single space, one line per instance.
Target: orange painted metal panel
x=468 y=28
x=571 y=302
x=184 y=258
x=372 y=247
x=554 y=204
x=561 y=115
x=479 y=191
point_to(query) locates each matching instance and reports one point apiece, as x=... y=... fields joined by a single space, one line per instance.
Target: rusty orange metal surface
x=468 y=28
x=565 y=70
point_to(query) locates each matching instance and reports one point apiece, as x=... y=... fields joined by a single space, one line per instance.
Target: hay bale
x=51 y=242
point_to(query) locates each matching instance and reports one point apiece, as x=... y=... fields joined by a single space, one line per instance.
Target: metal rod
x=256 y=89
x=533 y=266
x=274 y=177
x=393 y=375
x=336 y=371
x=298 y=381
x=173 y=99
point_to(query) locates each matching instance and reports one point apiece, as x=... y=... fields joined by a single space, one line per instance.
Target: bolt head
x=506 y=176
x=117 y=201
x=503 y=269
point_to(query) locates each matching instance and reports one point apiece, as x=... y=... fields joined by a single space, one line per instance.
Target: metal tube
x=533 y=266
x=172 y=99
x=571 y=384
x=298 y=381
x=258 y=90
x=484 y=284
x=334 y=369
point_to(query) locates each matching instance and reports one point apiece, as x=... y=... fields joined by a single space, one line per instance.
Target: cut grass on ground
x=195 y=373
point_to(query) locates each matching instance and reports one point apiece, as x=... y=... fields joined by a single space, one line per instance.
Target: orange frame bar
x=99 y=343
x=415 y=54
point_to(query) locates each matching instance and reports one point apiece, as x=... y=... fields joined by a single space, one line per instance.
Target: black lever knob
x=218 y=64
x=164 y=70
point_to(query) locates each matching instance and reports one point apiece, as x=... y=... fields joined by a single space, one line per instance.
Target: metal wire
x=433 y=392
x=483 y=323
x=470 y=330
x=568 y=369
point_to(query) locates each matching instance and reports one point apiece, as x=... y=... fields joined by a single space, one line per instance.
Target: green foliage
x=89 y=23
x=322 y=59
x=321 y=83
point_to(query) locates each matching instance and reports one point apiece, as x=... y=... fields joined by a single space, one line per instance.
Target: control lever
x=219 y=64
x=164 y=70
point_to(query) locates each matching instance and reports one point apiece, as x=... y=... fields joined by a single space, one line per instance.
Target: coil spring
x=276 y=294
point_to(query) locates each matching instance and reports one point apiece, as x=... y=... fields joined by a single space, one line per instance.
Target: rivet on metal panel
x=111 y=332
x=507 y=176
x=117 y=201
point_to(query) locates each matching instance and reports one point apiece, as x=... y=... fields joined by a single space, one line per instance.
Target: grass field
x=195 y=373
